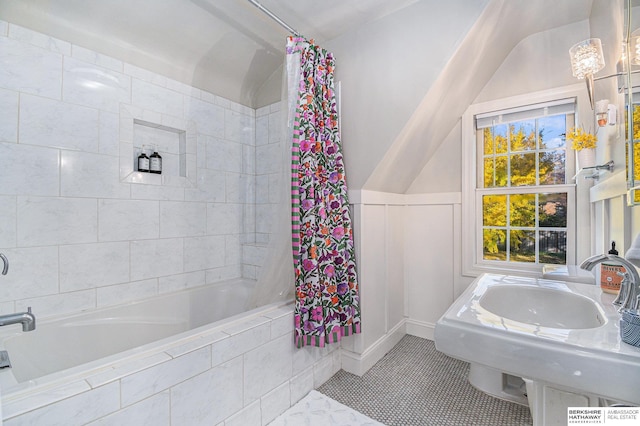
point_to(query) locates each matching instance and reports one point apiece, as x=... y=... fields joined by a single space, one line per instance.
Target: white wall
x=380 y=251
x=407 y=78
x=409 y=272
x=538 y=62
x=443 y=172
x=77 y=235
x=386 y=67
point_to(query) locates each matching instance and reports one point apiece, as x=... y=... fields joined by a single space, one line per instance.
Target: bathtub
x=110 y=362
x=58 y=344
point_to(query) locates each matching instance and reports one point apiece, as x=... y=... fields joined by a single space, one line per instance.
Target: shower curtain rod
x=275 y=18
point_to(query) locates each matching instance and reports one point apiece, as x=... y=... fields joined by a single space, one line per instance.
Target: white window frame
x=578 y=211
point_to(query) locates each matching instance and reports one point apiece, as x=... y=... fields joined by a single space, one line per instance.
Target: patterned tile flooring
x=414 y=384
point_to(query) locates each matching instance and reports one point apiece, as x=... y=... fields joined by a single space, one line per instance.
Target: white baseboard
x=420 y=329
x=359 y=364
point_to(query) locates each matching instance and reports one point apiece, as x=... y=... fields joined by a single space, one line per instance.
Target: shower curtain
x=327 y=303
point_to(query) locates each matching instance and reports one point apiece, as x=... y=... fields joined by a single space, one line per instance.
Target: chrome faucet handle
x=625 y=287
x=5 y=268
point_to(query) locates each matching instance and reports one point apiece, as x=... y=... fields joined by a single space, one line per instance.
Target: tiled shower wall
x=76 y=233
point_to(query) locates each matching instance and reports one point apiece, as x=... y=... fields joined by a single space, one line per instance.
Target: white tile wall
x=84 y=266
x=151 y=97
x=94 y=86
x=73 y=220
x=9 y=120
x=182 y=219
x=29 y=170
x=30 y=69
x=47 y=221
x=141 y=385
x=215 y=399
x=275 y=402
x=37 y=266
x=151 y=411
x=271 y=362
x=156 y=258
x=121 y=220
x=204 y=253
x=88 y=175
x=57 y=124
x=79 y=235
x=86 y=407
x=8 y=221
x=248 y=416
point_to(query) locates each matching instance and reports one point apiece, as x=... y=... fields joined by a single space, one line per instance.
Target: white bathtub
x=177 y=334
x=61 y=343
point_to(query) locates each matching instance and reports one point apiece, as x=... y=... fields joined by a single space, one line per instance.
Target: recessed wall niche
x=174 y=138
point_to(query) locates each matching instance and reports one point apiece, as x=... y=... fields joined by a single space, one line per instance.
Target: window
x=523 y=209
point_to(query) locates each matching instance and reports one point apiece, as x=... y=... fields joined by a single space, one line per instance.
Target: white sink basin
x=559 y=333
x=545 y=307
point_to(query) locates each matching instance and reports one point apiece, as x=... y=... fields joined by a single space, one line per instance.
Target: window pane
x=495 y=172
x=494 y=208
x=523 y=135
x=551 y=167
x=500 y=138
x=552 y=210
x=495 y=140
x=494 y=244
x=489 y=172
x=487 y=141
x=522 y=209
x=523 y=169
x=551 y=131
x=553 y=247
x=522 y=246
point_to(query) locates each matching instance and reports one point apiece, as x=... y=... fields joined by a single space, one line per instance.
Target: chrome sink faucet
x=27 y=319
x=629 y=295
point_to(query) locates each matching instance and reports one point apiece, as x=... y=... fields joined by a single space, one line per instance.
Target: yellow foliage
x=580 y=139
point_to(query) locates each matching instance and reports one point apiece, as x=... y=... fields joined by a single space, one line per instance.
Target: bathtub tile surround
x=80 y=227
x=245 y=372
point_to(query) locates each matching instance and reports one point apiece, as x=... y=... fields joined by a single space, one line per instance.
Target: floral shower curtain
x=327 y=304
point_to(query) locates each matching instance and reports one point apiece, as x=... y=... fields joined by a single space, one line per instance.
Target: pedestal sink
x=550 y=333
x=542 y=306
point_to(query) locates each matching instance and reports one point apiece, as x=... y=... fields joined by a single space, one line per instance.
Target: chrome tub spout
x=27 y=319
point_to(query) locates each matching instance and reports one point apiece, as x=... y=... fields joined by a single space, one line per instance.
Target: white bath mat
x=316 y=409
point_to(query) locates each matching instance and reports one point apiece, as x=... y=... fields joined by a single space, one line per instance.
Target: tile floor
x=414 y=384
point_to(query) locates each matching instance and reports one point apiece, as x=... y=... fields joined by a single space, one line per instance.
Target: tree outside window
x=523 y=218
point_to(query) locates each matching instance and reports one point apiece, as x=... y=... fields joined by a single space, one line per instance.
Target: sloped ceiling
x=502 y=24
x=228 y=47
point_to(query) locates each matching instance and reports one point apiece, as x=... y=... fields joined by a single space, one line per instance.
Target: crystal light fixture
x=586 y=60
x=586 y=57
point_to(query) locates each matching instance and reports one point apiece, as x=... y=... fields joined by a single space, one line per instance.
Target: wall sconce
x=586 y=60
x=605 y=113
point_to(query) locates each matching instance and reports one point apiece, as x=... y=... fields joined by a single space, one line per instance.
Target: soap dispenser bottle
x=143 y=161
x=610 y=281
x=155 y=162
